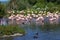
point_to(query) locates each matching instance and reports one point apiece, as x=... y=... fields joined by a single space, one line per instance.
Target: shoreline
x=14 y=35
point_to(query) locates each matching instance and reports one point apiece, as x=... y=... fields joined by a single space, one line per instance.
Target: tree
x=2 y=10
x=18 y=4
x=27 y=4
x=32 y=2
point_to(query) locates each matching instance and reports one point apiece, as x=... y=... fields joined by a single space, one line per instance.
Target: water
x=50 y=35
x=42 y=35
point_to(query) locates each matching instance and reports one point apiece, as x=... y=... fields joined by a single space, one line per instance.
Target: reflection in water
x=7 y=38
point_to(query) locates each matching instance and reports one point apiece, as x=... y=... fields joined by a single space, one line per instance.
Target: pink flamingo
x=40 y=20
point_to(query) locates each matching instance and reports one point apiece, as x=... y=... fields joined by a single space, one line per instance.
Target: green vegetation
x=35 y=5
x=10 y=29
x=2 y=10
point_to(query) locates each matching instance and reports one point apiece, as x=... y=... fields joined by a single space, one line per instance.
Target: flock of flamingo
x=39 y=19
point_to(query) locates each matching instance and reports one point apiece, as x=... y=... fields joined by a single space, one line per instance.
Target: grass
x=11 y=29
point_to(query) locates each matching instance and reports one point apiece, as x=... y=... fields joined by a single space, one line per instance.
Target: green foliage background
x=24 y=4
x=48 y=5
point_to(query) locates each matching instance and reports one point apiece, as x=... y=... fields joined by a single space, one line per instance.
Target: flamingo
x=57 y=17
x=40 y=20
x=11 y=18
